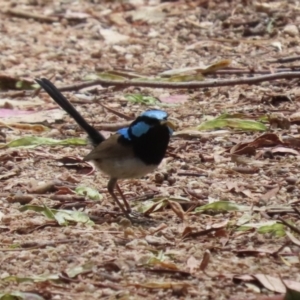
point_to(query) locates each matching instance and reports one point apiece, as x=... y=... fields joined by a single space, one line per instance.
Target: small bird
x=132 y=152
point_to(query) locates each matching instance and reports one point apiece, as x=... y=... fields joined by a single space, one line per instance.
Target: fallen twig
x=39 y=245
x=191 y=174
x=182 y=85
x=284 y=59
x=30 y=15
x=119 y=114
x=296 y=210
x=228 y=71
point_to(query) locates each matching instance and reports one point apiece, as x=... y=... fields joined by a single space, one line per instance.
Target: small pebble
x=171 y=180
x=291 y=180
x=291 y=30
x=282 y=171
x=159 y=178
x=290 y=188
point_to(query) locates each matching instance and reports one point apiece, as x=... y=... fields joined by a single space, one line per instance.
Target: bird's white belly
x=126 y=168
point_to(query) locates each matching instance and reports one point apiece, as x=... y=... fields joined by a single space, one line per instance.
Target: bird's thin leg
x=128 y=208
x=110 y=186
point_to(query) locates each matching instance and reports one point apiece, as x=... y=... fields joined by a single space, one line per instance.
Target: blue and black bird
x=132 y=152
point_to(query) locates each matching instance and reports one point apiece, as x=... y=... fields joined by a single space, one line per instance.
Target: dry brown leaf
x=293 y=239
x=248 y=193
x=177 y=208
x=205 y=260
x=285 y=150
x=186 y=231
x=245 y=170
x=193 y=264
x=157 y=241
x=271 y=193
x=277 y=297
x=113 y=37
x=243 y=149
x=266 y=140
x=295 y=118
x=275 y=284
x=49 y=116
x=160 y=285
x=278 y=120
x=243 y=160
x=233 y=186
x=292 y=141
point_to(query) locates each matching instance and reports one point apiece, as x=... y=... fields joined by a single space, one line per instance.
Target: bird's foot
x=135 y=215
x=139 y=218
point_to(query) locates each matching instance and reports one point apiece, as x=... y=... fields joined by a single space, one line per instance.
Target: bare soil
x=178 y=253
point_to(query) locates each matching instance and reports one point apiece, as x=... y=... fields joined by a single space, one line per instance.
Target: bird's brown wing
x=110 y=149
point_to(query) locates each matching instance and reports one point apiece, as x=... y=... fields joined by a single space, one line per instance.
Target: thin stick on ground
x=285 y=59
x=292 y=227
x=182 y=85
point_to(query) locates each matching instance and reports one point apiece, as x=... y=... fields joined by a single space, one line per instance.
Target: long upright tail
x=95 y=136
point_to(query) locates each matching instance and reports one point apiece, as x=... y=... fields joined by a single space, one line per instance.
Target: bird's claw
x=135 y=215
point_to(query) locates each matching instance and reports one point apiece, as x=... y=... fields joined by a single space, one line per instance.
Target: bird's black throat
x=150 y=147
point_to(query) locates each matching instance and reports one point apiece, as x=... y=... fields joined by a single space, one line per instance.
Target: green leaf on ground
x=89 y=192
x=276 y=229
x=71 y=272
x=270 y=227
x=226 y=120
x=222 y=206
x=63 y=217
x=141 y=99
x=197 y=70
x=34 y=141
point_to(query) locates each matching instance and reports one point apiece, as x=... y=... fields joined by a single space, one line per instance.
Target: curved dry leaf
x=266 y=140
x=271 y=193
x=243 y=149
x=293 y=239
x=285 y=150
x=193 y=264
x=205 y=260
x=176 y=207
x=271 y=283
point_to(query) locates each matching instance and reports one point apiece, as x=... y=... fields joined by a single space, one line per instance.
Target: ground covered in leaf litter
x=219 y=198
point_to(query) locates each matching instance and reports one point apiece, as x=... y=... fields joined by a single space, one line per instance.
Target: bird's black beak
x=169 y=124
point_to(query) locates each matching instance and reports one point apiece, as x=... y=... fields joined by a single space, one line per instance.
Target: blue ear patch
x=124 y=133
x=139 y=129
x=155 y=114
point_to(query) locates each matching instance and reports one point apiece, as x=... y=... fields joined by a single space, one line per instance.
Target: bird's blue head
x=147 y=120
